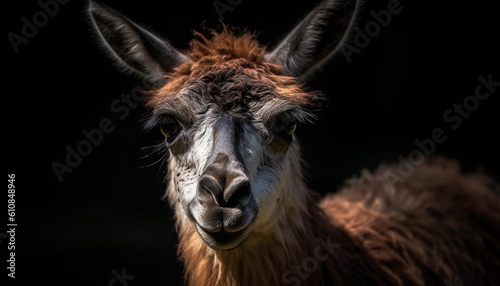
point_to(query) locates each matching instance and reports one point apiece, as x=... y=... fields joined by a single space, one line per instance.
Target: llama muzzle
x=224 y=208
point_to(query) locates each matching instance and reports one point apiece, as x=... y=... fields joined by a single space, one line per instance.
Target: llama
x=228 y=108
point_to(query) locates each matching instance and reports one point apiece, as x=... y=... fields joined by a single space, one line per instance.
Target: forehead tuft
x=227 y=69
x=226 y=44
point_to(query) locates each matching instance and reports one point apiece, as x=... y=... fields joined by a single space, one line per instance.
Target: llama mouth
x=223 y=240
x=222 y=228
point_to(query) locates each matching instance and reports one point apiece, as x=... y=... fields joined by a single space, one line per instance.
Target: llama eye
x=283 y=124
x=170 y=128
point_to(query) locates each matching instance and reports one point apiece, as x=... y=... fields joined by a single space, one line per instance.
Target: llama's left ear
x=315 y=39
x=133 y=47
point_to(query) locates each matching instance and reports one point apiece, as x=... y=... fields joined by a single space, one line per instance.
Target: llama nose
x=225 y=183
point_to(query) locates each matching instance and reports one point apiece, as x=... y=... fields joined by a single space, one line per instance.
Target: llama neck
x=293 y=247
x=277 y=255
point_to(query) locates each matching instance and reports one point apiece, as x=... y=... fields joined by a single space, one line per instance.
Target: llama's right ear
x=133 y=47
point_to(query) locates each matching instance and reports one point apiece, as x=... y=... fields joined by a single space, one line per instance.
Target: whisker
x=157 y=152
x=152 y=150
x=161 y=159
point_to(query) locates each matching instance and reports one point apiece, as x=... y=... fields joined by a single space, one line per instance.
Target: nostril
x=209 y=189
x=234 y=193
x=238 y=192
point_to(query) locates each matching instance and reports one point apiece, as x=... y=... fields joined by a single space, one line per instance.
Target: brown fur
x=437 y=225
x=227 y=53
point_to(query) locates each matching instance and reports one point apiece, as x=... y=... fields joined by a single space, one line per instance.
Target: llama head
x=228 y=109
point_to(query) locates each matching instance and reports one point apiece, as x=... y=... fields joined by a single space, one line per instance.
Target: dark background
x=107 y=214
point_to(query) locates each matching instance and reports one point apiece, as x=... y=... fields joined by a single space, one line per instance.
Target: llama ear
x=133 y=47
x=315 y=39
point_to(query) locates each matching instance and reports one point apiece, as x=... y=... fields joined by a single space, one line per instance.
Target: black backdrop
x=107 y=217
